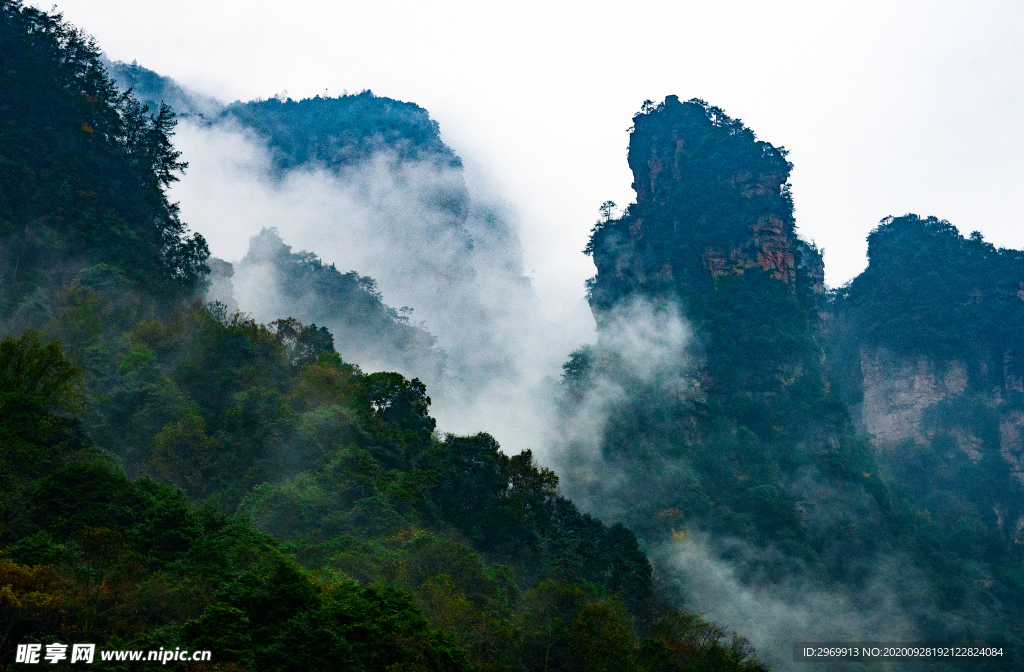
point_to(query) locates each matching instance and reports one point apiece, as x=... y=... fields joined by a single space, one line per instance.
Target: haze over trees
x=176 y=474
x=793 y=461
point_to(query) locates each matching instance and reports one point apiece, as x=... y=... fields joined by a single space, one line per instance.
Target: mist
x=647 y=358
x=451 y=259
x=775 y=615
x=639 y=345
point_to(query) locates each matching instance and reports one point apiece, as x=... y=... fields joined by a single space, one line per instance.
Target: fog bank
x=432 y=245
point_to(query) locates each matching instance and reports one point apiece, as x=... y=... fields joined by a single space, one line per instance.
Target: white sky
x=886 y=107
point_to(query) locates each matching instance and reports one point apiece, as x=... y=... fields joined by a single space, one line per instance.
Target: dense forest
x=357 y=127
x=176 y=474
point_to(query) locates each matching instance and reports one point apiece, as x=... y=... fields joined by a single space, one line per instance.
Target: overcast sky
x=886 y=107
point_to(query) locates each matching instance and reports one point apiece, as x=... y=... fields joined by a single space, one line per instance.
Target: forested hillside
x=711 y=237
x=797 y=463
x=408 y=220
x=356 y=128
x=173 y=474
x=83 y=175
x=152 y=89
x=350 y=305
x=393 y=201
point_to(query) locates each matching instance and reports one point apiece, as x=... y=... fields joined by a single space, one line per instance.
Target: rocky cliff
x=928 y=342
x=898 y=390
x=731 y=422
x=712 y=231
x=712 y=201
x=909 y=398
x=706 y=278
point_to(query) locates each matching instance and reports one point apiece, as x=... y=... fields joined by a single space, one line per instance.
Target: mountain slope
x=83 y=171
x=176 y=477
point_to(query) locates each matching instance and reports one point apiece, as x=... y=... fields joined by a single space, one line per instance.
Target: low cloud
x=433 y=247
x=773 y=615
x=644 y=363
x=641 y=347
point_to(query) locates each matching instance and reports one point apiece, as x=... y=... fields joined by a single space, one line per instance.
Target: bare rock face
x=1011 y=443
x=900 y=394
x=897 y=390
x=769 y=247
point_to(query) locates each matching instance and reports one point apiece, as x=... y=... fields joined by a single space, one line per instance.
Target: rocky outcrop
x=926 y=342
x=673 y=172
x=810 y=267
x=712 y=201
x=769 y=247
x=898 y=390
x=712 y=235
x=901 y=395
x=221 y=289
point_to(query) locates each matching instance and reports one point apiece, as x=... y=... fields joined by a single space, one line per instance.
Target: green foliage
x=348 y=303
x=922 y=277
x=709 y=169
x=343 y=131
x=83 y=171
x=931 y=295
x=39 y=390
x=136 y=562
x=305 y=344
x=181 y=451
x=755 y=336
x=400 y=411
x=704 y=184
x=153 y=90
x=746 y=437
x=131 y=563
x=720 y=437
x=682 y=641
x=134 y=556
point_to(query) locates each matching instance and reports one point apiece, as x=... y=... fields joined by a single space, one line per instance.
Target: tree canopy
x=83 y=171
